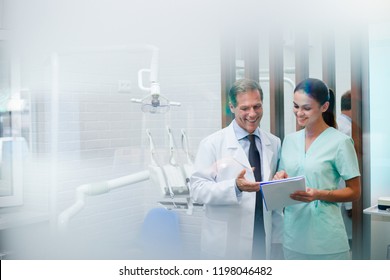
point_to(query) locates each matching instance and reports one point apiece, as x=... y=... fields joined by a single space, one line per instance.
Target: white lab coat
x=227 y=229
x=344 y=124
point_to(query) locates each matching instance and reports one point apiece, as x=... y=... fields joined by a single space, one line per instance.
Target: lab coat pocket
x=214 y=237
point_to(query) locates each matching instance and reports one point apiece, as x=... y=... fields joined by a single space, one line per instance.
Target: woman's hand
x=350 y=193
x=305 y=196
x=280 y=175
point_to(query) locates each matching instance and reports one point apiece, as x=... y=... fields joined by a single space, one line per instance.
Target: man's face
x=249 y=110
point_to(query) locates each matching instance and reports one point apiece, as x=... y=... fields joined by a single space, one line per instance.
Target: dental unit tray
x=179 y=205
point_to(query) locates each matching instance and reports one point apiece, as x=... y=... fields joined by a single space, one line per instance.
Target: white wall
x=380 y=133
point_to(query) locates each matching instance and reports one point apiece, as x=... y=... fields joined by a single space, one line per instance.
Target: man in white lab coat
x=344 y=120
x=344 y=123
x=224 y=180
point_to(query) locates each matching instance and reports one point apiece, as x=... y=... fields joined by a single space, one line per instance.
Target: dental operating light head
x=155 y=102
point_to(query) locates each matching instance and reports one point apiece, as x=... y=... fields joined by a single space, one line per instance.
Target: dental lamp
x=155 y=102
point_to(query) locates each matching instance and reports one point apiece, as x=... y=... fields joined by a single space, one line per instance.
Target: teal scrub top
x=317 y=227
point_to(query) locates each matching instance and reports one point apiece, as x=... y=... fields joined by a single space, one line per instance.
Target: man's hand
x=244 y=185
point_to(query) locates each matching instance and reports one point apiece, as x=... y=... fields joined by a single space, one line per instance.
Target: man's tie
x=258 y=247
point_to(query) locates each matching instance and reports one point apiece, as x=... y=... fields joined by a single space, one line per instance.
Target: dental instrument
x=188 y=168
x=189 y=165
x=157 y=174
x=174 y=173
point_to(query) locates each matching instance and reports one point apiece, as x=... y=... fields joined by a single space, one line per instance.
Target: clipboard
x=276 y=193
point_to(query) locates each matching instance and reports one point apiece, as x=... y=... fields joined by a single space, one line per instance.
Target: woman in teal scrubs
x=315 y=229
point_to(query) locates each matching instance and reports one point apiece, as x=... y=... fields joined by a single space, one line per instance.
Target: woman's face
x=249 y=110
x=307 y=110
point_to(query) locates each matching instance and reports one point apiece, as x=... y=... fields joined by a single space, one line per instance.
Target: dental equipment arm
x=98 y=188
x=155 y=102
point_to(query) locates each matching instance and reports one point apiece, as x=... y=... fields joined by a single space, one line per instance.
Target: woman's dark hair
x=320 y=92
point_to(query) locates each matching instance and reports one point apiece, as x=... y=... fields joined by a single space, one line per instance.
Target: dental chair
x=160 y=235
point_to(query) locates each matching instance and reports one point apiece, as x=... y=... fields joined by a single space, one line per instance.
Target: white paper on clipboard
x=276 y=193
